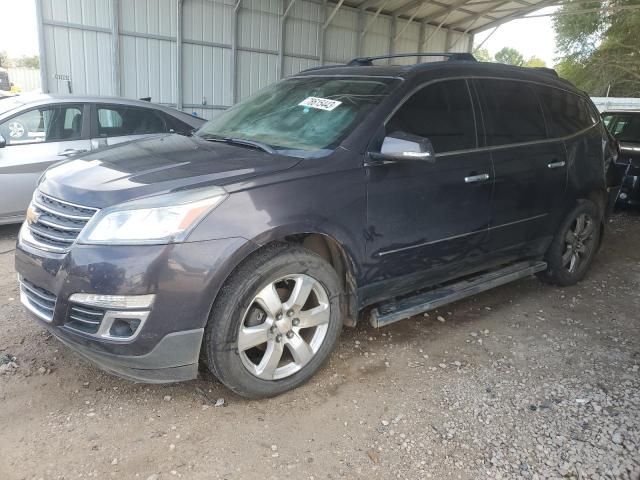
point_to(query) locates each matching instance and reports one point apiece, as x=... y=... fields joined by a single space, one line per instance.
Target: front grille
x=55 y=224
x=85 y=319
x=38 y=300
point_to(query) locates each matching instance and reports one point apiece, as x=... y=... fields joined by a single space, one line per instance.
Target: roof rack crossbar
x=368 y=61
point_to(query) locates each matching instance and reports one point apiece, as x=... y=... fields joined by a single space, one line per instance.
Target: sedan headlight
x=160 y=219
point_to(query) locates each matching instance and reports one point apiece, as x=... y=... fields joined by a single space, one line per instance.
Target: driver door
x=427 y=221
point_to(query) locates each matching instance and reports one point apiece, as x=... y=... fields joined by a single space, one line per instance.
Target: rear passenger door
x=530 y=168
x=115 y=124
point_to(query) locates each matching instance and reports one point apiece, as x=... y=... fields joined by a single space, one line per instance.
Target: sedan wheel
x=16 y=130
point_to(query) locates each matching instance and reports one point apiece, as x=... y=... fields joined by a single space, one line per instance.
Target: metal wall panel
x=78 y=42
x=341 y=37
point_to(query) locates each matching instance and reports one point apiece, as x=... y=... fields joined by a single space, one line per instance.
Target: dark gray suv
x=248 y=245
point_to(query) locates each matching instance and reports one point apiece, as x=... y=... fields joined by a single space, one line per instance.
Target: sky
x=534 y=36
x=530 y=36
x=18 y=31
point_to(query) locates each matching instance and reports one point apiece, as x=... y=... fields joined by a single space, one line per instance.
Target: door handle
x=71 y=151
x=476 y=178
x=556 y=164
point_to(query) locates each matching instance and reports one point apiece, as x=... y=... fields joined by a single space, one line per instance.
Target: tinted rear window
x=512 y=113
x=565 y=112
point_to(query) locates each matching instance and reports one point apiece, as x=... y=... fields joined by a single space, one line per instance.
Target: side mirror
x=3 y=142
x=405 y=146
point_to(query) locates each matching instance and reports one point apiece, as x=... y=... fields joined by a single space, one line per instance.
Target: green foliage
x=28 y=62
x=600 y=50
x=4 y=59
x=483 y=55
x=535 y=62
x=510 y=56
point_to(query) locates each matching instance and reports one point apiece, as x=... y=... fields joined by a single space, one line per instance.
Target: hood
x=154 y=166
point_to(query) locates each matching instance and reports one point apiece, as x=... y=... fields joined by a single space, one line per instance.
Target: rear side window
x=512 y=113
x=441 y=112
x=566 y=113
x=116 y=121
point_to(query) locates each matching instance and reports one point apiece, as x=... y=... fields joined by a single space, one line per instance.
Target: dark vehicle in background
x=37 y=131
x=342 y=190
x=624 y=125
x=5 y=84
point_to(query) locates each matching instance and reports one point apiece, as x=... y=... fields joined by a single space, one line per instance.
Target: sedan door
x=36 y=139
x=427 y=221
x=115 y=124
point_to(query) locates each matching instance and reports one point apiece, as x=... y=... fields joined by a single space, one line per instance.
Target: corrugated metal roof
x=469 y=16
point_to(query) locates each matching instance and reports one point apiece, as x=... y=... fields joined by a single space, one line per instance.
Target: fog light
x=124 y=327
x=623 y=196
x=124 y=302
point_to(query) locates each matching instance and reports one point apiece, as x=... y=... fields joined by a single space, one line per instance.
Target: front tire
x=574 y=246
x=275 y=322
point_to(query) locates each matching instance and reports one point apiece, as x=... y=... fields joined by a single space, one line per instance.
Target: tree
x=535 y=62
x=599 y=50
x=4 y=59
x=28 y=62
x=510 y=56
x=483 y=55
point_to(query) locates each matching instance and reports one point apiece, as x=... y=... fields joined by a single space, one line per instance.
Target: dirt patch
x=526 y=381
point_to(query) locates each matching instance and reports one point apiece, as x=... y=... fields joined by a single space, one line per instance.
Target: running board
x=393 y=311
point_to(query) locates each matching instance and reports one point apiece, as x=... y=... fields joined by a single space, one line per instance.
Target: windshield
x=303 y=114
x=625 y=127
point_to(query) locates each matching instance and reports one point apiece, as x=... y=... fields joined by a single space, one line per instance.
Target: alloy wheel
x=284 y=327
x=16 y=130
x=578 y=242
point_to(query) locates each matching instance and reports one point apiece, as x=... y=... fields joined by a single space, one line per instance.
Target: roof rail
x=368 y=61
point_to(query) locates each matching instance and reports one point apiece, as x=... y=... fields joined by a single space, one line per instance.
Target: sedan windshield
x=302 y=114
x=8 y=104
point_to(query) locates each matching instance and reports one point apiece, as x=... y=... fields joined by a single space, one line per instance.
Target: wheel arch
x=327 y=245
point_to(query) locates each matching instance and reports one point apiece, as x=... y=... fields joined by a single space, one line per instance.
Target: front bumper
x=183 y=277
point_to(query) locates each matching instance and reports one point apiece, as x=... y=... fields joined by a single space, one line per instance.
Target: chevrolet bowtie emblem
x=32 y=216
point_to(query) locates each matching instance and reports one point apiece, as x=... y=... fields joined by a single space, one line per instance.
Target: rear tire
x=275 y=322
x=573 y=248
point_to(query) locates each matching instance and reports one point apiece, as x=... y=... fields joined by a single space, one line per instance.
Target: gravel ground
x=525 y=381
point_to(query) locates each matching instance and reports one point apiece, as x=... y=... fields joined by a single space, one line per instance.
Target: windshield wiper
x=240 y=142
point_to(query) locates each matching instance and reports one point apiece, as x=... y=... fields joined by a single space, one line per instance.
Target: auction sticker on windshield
x=320 y=103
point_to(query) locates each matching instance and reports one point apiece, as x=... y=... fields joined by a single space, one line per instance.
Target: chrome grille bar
x=55 y=224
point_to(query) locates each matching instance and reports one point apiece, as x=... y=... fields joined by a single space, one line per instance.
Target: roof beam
x=443 y=11
x=333 y=14
x=499 y=21
x=408 y=7
x=406 y=25
x=475 y=16
x=369 y=3
x=366 y=28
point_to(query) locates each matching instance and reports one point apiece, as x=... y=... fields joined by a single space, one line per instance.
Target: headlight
x=160 y=219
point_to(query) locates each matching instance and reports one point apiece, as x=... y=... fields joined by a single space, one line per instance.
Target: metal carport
x=203 y=55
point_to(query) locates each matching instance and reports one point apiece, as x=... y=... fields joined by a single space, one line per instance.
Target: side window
x=116 y=121
x=512 y=113
x=44 y=124
x=566 y=113
x=441 y=112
